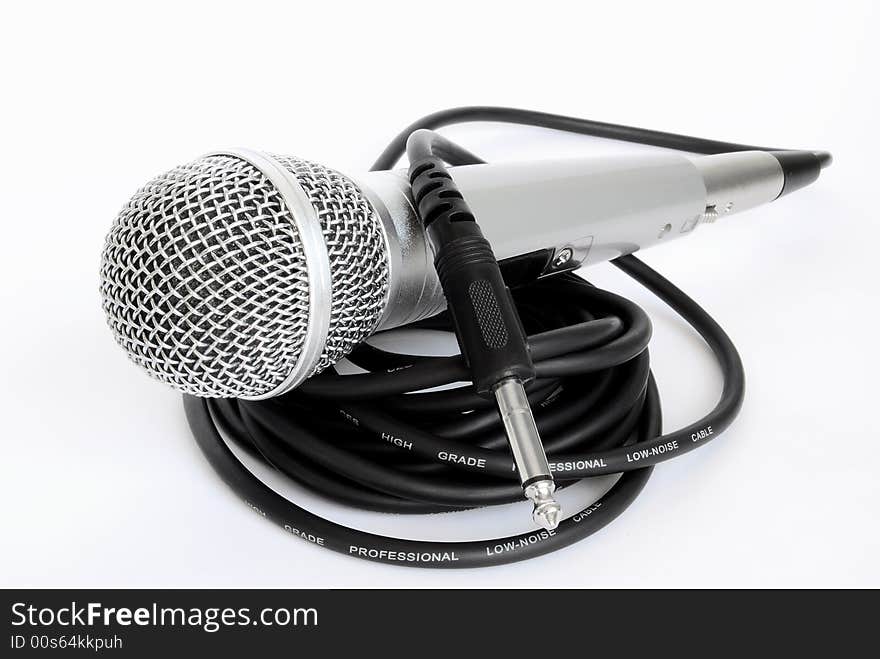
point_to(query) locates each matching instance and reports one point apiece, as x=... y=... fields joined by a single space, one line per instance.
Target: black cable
x=396 y=148
x=368 y=441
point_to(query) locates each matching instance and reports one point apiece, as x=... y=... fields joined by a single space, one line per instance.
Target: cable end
x=800 y=168
x=547 y=512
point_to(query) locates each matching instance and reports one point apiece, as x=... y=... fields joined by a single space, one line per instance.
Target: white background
x=100 y=481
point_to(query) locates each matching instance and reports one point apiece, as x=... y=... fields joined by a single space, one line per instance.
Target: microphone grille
x=204 y=276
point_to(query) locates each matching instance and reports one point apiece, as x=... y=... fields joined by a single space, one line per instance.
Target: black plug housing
x=487 y=325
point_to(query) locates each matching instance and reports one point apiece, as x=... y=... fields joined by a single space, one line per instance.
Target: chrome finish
x=738 y=181
x=357 y=251
x=570 y=256
x=562 y=257
x=528 y=451
x=595 y=209
x=308 y=229
x=414 y=290
x=591 y=209
x=709 y=215
x=519 y=423
x=547 y=512
x=241 y=274
x=600 y=208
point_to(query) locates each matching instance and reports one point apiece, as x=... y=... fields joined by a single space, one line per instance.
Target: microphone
x=236 y=277
x=243 y=273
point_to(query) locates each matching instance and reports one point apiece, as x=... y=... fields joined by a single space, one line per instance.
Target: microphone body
x=242 y=273
x=546 y=217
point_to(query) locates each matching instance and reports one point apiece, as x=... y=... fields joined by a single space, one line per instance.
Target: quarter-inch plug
x=528 y=452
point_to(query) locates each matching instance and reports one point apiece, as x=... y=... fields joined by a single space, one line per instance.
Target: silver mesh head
x=209 y=285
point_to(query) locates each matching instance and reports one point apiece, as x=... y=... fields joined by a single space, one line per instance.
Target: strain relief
x=800 y=168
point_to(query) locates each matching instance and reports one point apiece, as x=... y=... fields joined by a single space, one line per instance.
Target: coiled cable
x=377 y=441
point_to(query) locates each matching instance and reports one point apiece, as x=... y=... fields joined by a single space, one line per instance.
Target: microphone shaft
x=547 y=217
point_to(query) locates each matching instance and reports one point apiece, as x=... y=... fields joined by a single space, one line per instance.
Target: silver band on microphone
x=308 y=228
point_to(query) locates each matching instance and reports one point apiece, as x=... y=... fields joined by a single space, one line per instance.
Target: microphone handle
x=547 y=217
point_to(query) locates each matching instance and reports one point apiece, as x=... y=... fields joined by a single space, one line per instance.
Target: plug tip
x=547 y=515
x=547 y=512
